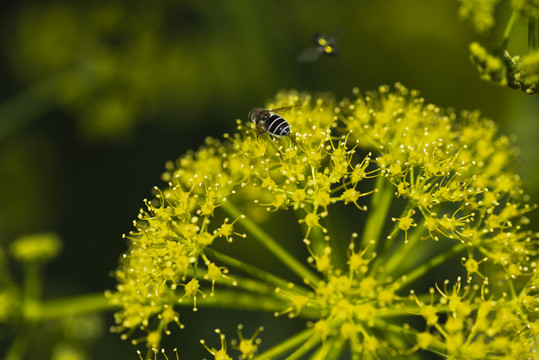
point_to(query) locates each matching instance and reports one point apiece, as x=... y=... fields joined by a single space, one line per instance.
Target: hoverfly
x=270 y=121
x=322 y=44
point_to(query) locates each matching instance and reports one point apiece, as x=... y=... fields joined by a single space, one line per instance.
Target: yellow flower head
x=414 y=186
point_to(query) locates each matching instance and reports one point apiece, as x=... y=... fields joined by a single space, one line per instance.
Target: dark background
x=96 y=96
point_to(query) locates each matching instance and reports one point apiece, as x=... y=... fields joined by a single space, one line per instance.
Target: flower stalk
x=273 y=246
x=377 y=216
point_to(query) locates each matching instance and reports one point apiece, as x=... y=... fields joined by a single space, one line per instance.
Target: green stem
x=532 y=33
x=314 y=340
x=269 y=243
x=77 y=305
x=508 y=29
x=331 y=350
x=354 y=345
x=403 y=251
x=436 y=346
x=252 y=270
x=389 y=242
x=32 y=291
x=536 y=34
x=377 y=213
x=307 y=346
x=338 y=252
x=19 y=345
x=431 y=264
x=27 y=105
x=238 y=300
x=237 y=282
x=287 y=345
x=35 y=311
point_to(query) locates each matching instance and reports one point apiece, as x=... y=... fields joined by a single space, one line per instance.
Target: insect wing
x=285 y=109
x=309 y=55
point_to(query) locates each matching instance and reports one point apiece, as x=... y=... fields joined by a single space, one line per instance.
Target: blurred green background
x=95 y=96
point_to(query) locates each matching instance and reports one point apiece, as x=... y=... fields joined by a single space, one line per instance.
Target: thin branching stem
x=19 y=345
x=532 y=34
x=73 y=306
x=287 y=345
x=403 y=251
x=30 y=103
x=431 y=264
x=389 y=242
x=378 y=211
x=239 y=300
x=509 y=29
x=252 y=270
x=269 y=243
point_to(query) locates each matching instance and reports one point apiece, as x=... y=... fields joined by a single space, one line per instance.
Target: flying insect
x=322 y=45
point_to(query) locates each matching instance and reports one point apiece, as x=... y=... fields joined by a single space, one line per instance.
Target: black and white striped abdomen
x=276 y=125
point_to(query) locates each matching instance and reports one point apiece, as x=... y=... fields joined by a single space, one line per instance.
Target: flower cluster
x=386 y=190
x=500 y=68
x=38 y=247
x=494 y=63
x=480 y=13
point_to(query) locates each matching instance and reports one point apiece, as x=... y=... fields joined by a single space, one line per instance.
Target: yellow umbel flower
x=384 y=189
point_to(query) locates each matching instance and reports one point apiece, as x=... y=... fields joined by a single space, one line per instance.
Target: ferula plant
x=412 y=218
x=494 y=62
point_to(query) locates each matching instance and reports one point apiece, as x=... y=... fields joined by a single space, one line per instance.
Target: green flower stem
x=240 y=282
x=307 y=346
x=354 y=344
x=340 y=187
x=385 y=253
x=403 y=251
x=252 y=270
x=377 y=213
x=36 y=311
x=338 y=250
x=532 y=33
x=313 y=341
x=436 y=346
x=28 y=104
x=19 y=345
x=286 y=345
x=238 y=300
x=513 y=291
x=317 y=242
x=32 y=290
x=267 y=241
x=85 y=304
x=332 y=349
x=536 y=34
x=392 y=312
x=509 y=28
x=431 y=264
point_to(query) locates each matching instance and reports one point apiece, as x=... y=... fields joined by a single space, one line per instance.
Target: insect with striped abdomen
x=270 y=121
